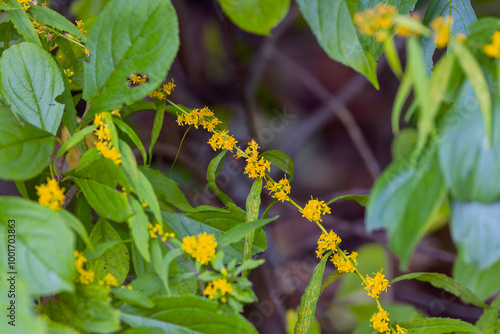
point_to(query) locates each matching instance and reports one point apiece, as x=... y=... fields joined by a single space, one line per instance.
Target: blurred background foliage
x=286 y=93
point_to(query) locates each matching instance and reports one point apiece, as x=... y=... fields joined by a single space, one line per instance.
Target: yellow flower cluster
x=493 y=49
x=104 y=145
x=26 y=4
x=86 y=277
x=255 y=167
x=314 y=209
x=442 y=29
x=380 y=322
x=343 y=265
x=196 y=117
x=40 y=28
x=327 y=242
x=222 y=140
x=128 y=287
x=137 y=79
x=109 y=280
x=376 y=21
x=404 y=31
x=50 y=194
x=156 y=230
x=221 y=285
x=201 y=247
x=281 y=189
x=376 y=285
x=164 y=91
x=79 y=25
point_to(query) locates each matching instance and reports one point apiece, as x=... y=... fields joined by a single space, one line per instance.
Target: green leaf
x=133 y=297
x=22 y=145
x=489 y=321
x=100 y=249
x=462 y=14
x=469 y=167
x=392 y=56
x=22 y=23
x=404 y=200
x=76 y=138
x=89 y=308
x=106 y=201
x=255 y=16
x=361 y=199
x=147 y=194
x=444 y=282
x=46 y=270
x=69 y=118
x=238 y=232
x=332 y=24
x=474 y=73
x=475 y=231
x=77 y=226
x=252 y=208
x=279 y=160
x=84 y=9
x=162 y=263
x=484 y=283
x=132 y=135
x=155 y=133
x=94 y=167
x=52 y=18
x=439 y=325
x=30 y=83
x=307 y=307
x=186 y=314
x=150 y=30
x=139 y=231
x=115 y=260
x=332 y=277
x=6 y=6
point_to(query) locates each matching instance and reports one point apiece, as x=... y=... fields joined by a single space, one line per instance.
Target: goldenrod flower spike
x=221 y=285
x=50 y=194
x=104 y=145
x=109 y=280
x=201 y=247
x=314 y=209
x=493 y=49
x=85 y=276
x=376 y=285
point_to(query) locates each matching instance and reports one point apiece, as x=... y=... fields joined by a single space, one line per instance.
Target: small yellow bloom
x=222 y=140
x=327 y=242
x=168 y=87
x=280 y=189
x=85 y=277
x=344 y=266
x=493 y=49
x=442 y=29
x=376 y=284
x=50 y=194
x=401 y=330
x=201 y=247
x=137 y=79
x=221 y=285
x=380 y=321
x=116 y=112
x=314 y=209
x=86 y=51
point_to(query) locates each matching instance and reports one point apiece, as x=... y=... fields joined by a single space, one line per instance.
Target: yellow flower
x=116 y=112
x=442 y=29
x=376 y=285
x=376 y=21
x=85 y=277
x=222 y=140
x=280 y=189
x=156 y=230
x=202 y=247
x=493 y=49
x=400 y=330
x=109 y=280
x=327 y=242
x=380 y=321
x=26 y=4
x=257 y=168
x=104 y=145
x=168 y=87
x=50 y=194
x=344 y=266
x=221 y=285
x=137 y=79
x=314 y=209
x=86 y=51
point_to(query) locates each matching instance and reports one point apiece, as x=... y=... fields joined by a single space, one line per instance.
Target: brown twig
x=70 y=195
x=61 y=162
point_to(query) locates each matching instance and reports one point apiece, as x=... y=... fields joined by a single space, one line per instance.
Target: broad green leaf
x=106 y=201
x=129 y=37
x=84 y=9
x=255 y=16
x=69 y=118
x=155 y=132
x=139 y=231
x=186 y=314
x=22 y=23
x=439 y=325
x=22 y=145
x=129 y=165
x=279 y=160
x=94 y=167
x=52 y=18
x=460 y=11
x=30 y=83
x=361 y=199
x=238 y=232
x=125 y=128
x=252 y=209
x=404 y=200
x=115 y=260
x=76 y=138
x=469 y=167
x=484 y=283
x=476 y=232
x=6 y=6
x=100 y=249
x=89 y=308
x=46 y=270
x=489 y=320
x=140 y=105
x=77 y=226
x=441 y=281
x=332 y=24
x=162 y=263
x=474 y=73
x=147 y=194
x=307 y=307
x=134 y=297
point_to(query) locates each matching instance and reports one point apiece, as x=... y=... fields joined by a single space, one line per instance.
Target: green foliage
x=439 y=325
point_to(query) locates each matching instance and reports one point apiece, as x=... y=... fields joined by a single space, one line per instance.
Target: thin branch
x=60 y=167
x=70 y=195
x=336 y=106
x=189 y=266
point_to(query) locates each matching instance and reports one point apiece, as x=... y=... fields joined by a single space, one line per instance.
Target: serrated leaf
x=30 y=83
x=22 y=145
x=441 y=281
x=22 y=23
x=150 y=29
x=46 y=270
x=186 y=314
x=52 y=18
x=125 y=128
x=147 y=194
x=439 y=325
x=483 y=282
x=255 y=16
x=307 y=307
x=139 y=231
x=332 y=24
